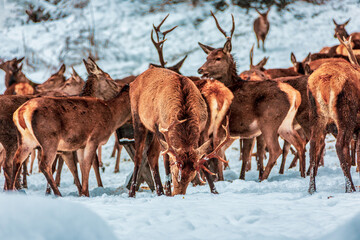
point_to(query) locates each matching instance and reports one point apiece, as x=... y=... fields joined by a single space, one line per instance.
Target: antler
x=221 y=30
x=170 y=149
x=251 y=56
x=214 y=153
x=347 y=44
x=160 y=44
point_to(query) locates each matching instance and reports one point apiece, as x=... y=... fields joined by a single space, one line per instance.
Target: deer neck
x=120 y=108
x=231 y=76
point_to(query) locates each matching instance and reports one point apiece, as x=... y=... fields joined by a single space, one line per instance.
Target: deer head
x=99 y=84
x=54 y=82
x=13 y=72
x=256 y=72
x=340 y=29
x=187 y=162
x=219 y=63
x=73 y=85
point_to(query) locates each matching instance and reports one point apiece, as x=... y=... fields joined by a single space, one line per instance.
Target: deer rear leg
x=140 y=134
x=60 y=165
x=293 y=137
x=96 y=167
x=342 y=149
x=21 y=154
x=246 y=154
x=271 y=139
x=99 y=156
x=32 y=159
x=153 y=154
x=260 y=153
x=117 y=163
x=47 y=161
x=25 y=173
x=357 y=154
x=8 y=165
x=286 y=148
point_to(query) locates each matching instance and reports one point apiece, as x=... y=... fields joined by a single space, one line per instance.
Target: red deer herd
x=188 y=120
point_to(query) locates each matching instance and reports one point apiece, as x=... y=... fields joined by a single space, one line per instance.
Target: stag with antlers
x=255 y=109
x=334 y=96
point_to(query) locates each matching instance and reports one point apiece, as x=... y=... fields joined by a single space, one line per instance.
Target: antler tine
x=347 y=44
x=217 y=25
x=158 y=27
x=214 y=153
x=233 y=26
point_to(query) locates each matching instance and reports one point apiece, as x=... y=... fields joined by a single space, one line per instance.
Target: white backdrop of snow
x=278 y=208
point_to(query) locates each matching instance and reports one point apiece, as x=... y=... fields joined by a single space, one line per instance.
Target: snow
x=278 y=208
x=33 y=217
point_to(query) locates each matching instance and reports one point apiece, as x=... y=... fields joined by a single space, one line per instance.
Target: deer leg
x=317 y=136
x=117 y=163
x=53 y=169
x=210 y=180
x=153 y=154
x=9 y=151
x=85 y=165
x=271 y=139
x=25 y=173
x=140 y=134
x=48 y=156
x=294 y=138
x=168 y=175
x=257 y=39
x=99 y=156
x=21 y=154
x=260 y=153
x=352 y=152
x=69 y=159
x=286 y=148
x=32 y=159
x=59 y=169
x=342 y=149
x=115 y=148
x=248 y=144
x=357 y=154
x=96 y=167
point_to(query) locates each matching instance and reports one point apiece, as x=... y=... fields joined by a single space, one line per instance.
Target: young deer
x=48 y=122
x=334 y=96
x=261 y=27
x=179 y=138
x=255 y=109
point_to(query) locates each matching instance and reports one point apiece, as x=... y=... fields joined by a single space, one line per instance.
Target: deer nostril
x=200 y=70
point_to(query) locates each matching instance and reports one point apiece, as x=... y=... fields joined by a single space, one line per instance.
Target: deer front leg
x=168 y=175
x=246 y=153
x=59 y=170
x=69 y=158
x=271 y=139
x=153 y=159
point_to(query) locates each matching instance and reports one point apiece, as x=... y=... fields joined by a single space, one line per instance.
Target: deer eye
x=218 y=59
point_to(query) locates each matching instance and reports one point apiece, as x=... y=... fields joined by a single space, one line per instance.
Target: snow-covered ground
x=278 y=208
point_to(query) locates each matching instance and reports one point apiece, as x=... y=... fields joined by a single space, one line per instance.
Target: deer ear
x=204 y=147
x=308 y=58
x=19 y=60
x=206 y=49
x=20 y=68
x=262 y=63
x=176 y=67
x=257 y=11
x=293 y=58
x=268 y=11
x=92 y=67
x=62 y=70
x=346 y=22
x=227 y=46
x=334 y=22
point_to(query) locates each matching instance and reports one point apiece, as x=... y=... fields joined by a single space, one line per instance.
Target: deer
x=96 y=121
x=254 y=110
x=261 y=27
x=333 y=91
x=8 y=131
x=178 y=138
x=341 y=31
x=14 y=74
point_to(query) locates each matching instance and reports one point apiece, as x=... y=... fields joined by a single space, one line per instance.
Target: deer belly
x=247 y=131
